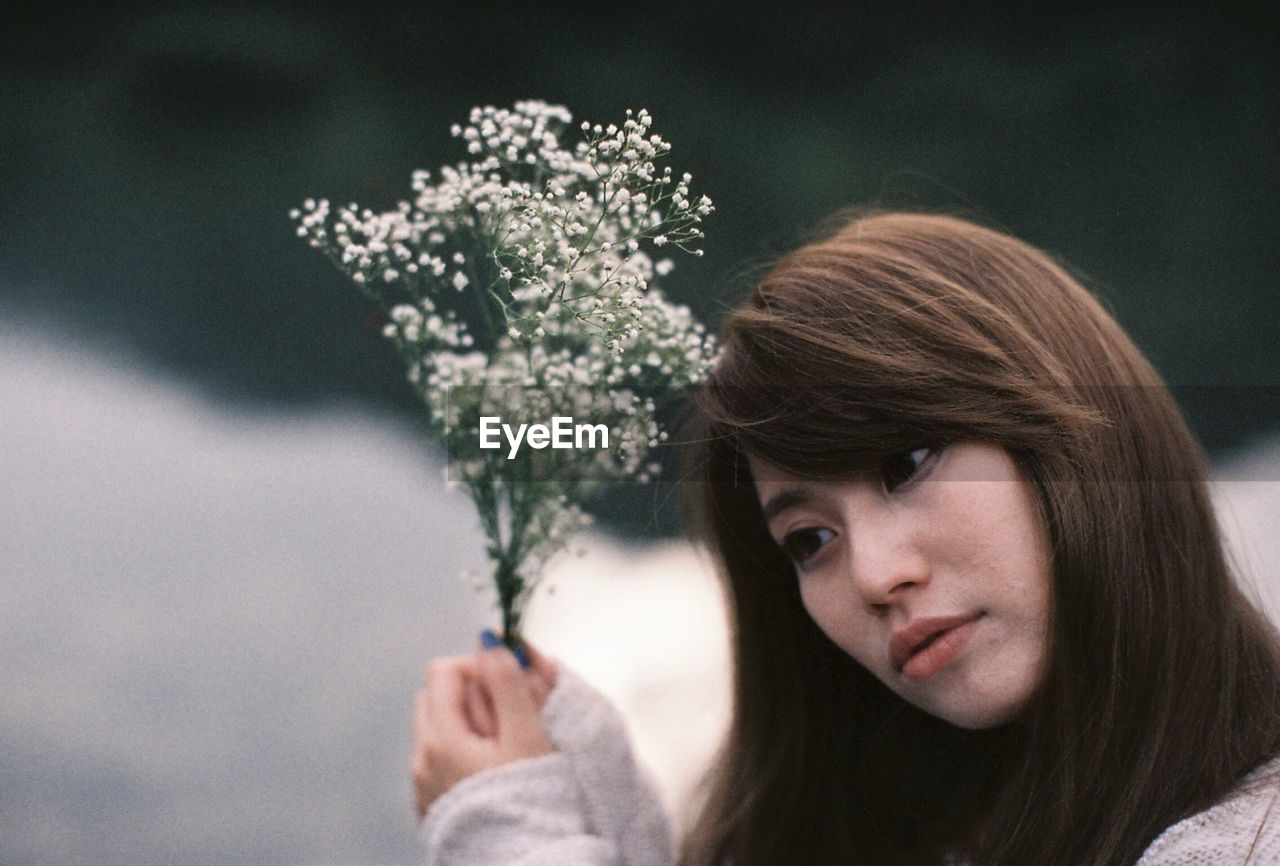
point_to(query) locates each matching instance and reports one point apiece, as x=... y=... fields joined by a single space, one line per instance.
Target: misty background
x=225 y=550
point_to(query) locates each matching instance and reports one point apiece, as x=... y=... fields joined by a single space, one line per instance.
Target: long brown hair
x=1163 y=681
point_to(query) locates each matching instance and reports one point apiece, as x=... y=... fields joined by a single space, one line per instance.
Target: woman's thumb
x=516 y=712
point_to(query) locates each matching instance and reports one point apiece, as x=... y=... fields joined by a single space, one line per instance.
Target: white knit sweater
x=589 y=804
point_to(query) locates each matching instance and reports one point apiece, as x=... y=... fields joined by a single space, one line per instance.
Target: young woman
x=981 y=610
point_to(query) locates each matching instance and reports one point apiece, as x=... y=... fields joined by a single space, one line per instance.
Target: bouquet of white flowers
x=519 y=290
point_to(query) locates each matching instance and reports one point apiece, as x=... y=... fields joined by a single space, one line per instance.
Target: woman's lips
x=946 y=645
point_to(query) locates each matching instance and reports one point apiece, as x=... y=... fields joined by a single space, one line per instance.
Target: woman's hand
x=477 y=712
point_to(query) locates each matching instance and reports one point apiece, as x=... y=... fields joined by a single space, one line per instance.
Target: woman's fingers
x=539 y=689
x=539 y=669
x=419 y=772
x=542 y=666
x=438 y=731
x=479 y=709
x=520 y=730
x=474 y=713
x=506 y=683
x=446 y=704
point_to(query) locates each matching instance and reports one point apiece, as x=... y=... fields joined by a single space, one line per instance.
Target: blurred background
x=225 y=548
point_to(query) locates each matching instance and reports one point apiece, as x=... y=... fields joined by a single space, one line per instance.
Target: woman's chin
x=976 y=714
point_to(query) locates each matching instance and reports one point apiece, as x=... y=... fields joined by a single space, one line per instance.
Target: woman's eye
x=802 y=544
x=899 y=468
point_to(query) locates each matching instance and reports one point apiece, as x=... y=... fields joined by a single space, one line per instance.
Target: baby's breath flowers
x=521 y=284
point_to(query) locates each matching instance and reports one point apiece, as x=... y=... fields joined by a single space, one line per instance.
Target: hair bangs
x=816 y=414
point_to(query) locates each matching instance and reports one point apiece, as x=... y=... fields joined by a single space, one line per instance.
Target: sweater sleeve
x=525 y=813
x=621 y=801
x=587 y=804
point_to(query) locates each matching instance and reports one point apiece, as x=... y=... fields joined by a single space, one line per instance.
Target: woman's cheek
x=831 y=613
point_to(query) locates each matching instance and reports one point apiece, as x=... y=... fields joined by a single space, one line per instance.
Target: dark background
x=151 y=153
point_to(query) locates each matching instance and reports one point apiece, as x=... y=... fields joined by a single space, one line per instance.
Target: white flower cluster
x=521 y=284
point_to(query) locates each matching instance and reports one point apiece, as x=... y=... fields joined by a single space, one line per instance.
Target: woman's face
x=933 y=574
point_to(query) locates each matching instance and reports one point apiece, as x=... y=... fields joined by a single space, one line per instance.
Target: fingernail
x=521 y=656
x=490 y=640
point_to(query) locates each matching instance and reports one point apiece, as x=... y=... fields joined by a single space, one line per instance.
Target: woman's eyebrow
x=784 y=500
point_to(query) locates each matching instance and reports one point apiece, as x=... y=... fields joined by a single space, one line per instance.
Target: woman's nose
x=884 y=564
